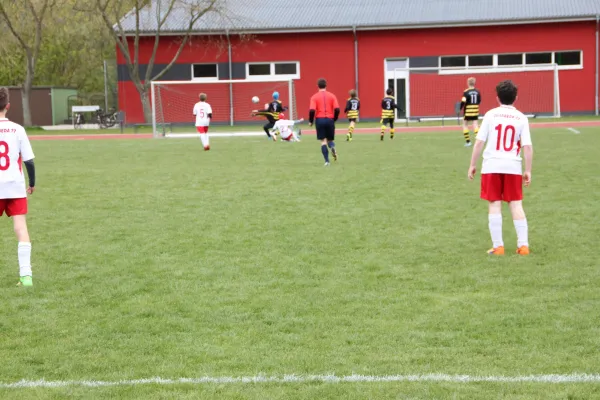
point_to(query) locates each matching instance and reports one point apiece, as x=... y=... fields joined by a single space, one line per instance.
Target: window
x=259 y=69
x=205 y=71
x=391 y=65
x=510 y=59
x=273 y=70
x=567 y=58
x=481 y=61
x=285 y=69
x=448 y=62
x=538 y=58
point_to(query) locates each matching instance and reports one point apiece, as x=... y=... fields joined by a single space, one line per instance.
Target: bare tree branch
x=160 y=22
x=195 y=15
x=12 y=29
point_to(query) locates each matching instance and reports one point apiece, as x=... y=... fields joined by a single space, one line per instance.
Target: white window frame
x=272 y=74
x=206 y=79
x=509 y=68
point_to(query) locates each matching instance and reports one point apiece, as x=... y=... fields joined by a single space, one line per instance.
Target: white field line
x=291 y=379
x=575 y=131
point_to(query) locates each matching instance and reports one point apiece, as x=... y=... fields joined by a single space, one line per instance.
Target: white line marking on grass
x=575 y=131
x=207 y=380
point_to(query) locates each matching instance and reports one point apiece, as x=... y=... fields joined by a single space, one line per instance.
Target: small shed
x=49 y=105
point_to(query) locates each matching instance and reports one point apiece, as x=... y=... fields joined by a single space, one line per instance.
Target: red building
x=356 y=45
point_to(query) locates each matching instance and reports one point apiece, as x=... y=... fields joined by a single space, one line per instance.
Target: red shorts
x=498 y=187
x=13 y=206
x=202 y=129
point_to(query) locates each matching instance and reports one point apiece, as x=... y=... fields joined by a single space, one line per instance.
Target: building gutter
x=597 y=63
x=230 y=62
x=465 y=24
x=356 y=58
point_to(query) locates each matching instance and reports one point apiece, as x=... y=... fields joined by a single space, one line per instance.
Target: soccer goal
x=435 y=93
x=231 y=102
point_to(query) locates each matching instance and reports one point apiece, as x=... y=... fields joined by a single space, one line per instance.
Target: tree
x=128 y=40
x=25 y=21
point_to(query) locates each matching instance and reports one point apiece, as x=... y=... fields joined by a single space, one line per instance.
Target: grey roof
x=276 y=15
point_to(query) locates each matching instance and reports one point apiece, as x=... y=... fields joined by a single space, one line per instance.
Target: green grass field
x=153 y=258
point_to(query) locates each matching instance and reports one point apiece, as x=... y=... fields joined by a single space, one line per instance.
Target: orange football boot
x=498 y=251
x=523 y=250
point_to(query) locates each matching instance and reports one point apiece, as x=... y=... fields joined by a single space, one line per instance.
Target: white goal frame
x=405 y=73
x=292 y=101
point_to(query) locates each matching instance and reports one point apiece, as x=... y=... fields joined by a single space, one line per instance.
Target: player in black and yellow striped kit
x=388 y=112
x=271 y=112
x=352 y=110
x=470 y=104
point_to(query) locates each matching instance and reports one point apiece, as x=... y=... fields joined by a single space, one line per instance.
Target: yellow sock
x=392 y=132
x=466 y=135
x=382 y=130
x=476 y=131
x=351 y=130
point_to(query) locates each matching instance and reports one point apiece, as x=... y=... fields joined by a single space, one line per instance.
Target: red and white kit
x=505 y=130
x=202 y=110
x=285 y=127
x=14 y=149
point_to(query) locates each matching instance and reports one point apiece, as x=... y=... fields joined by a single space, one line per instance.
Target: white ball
x=255 y=99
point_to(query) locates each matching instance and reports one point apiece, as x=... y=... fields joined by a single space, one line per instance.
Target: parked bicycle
x=106 y=120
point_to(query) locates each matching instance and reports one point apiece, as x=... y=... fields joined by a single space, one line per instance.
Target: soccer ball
x=255 y=99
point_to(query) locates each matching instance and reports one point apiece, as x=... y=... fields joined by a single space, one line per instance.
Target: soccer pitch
x=153 y=259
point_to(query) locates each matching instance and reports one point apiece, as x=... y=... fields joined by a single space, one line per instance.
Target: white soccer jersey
x=201 y=111
x=14 y=148
x=284 y=126
x=506 y=130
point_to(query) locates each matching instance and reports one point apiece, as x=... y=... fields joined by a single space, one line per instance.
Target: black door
x=400 y=94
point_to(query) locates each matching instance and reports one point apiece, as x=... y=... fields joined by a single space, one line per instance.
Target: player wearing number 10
x=15 y=148
x=505 y=134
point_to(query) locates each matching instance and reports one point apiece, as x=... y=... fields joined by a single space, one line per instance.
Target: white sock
x=522 y=232
x=495 y=225
x=204 y=138
x=24 y=252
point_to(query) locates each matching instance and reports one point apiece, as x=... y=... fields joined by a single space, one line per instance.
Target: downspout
x=597 y=61
x=230 y=79
x=356 y=57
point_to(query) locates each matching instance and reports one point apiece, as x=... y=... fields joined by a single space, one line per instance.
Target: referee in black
x=324 y=111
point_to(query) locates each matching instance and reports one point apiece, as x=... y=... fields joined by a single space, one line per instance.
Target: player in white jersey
x=506 y=137
x=286 y=129
x=14 y=149
x=203 y=113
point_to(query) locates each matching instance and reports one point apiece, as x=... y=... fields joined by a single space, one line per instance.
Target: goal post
x=433 y=93
x=231 y=101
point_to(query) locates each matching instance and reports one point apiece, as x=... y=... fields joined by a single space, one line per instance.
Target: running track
x=400 y=129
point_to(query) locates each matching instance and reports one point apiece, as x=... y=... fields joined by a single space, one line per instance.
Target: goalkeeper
x=271 y=112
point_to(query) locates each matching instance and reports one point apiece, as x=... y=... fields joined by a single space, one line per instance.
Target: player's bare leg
x=520 y=221
x=475 y=128
x=350 y=131
x=466 y=133
x=23 y=250
x=495 y=226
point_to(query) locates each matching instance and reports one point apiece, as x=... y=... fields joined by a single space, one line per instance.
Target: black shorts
x=472 y=118
x=352 y=119
x=269 y=125
x=325 y=128
x=387 y=121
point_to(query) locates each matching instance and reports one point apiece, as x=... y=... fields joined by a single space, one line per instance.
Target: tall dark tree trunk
x=26 y=92
x=144 y=91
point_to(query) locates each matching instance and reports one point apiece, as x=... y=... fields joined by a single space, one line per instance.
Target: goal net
x=231 y=102
x=435 y=93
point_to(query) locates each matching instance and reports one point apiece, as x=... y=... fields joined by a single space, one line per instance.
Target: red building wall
x=331 y=55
